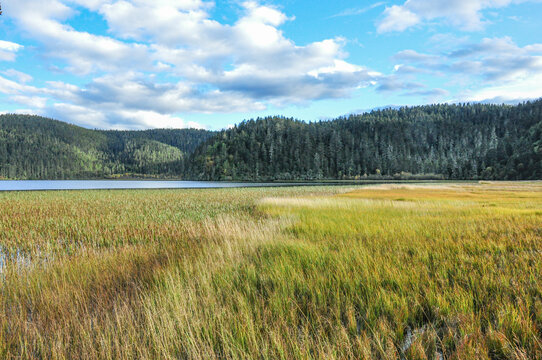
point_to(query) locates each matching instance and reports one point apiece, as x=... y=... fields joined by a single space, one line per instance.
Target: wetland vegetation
x=450 y=271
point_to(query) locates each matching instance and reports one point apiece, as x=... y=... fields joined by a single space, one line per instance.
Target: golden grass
x=391 y=272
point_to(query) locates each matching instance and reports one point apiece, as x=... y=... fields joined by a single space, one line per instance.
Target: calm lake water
x=21 y=185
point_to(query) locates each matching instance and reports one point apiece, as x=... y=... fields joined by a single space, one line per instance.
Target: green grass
x=378 y=272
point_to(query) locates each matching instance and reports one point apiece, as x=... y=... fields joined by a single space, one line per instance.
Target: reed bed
x=450 y=271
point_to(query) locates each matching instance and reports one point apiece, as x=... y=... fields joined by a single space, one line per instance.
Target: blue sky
x=136 y=64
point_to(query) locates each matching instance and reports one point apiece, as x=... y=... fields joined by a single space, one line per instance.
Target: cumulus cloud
x=37 y=102
x=11 y=87
x=414 y=56
x=80 y=115
x=397 y=18
x=264 y=64
x=159 y=21
x=148 y=119
x=493 y=59
x=465 y=14
x=166 y=57
x=119 y=119
x=137 y=92
x=84 y=52
x=8 y=50
x=497 y=67
x=18 y=75
x=508 y=92
x=406 y=86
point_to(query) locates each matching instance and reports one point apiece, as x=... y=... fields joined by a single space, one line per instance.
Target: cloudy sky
x=135 y=64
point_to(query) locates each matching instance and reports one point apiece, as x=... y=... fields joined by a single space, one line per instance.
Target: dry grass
x=390 y=272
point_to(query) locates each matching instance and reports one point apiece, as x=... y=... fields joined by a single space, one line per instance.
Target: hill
x=465 y=141
x=33 y=147
x=469 y=141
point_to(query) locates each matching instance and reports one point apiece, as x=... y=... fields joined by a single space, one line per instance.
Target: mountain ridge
x=441 y=141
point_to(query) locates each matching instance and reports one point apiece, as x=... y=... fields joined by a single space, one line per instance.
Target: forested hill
x=474 y=141
x=437 y=141
x=33 y=147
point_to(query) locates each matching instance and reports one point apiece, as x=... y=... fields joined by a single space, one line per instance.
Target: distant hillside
x=475 y=141
x=33 y=147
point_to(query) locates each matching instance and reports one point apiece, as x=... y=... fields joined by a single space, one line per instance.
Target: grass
x=450 y=271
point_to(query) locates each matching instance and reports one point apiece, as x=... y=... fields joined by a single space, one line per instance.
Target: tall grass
x=389 y=272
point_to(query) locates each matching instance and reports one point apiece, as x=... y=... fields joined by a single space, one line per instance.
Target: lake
x=23 y=185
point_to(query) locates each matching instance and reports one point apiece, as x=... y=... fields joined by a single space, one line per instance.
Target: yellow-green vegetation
x=449 y=271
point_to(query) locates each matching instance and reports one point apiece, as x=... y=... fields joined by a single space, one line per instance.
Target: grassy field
x=449 y=271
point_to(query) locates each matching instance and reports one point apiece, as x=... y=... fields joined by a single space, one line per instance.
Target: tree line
x=33 y=147
x=462 y=141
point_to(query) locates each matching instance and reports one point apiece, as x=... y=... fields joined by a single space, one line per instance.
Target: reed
x=383 y=272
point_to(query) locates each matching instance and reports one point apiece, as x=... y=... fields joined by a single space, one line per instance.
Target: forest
x=460 y=141
x=469 y=141
x=33 y=147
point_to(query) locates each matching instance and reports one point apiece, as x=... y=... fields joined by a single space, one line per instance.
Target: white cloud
x=395 y=84
x=496 y=68
x=136 y=92
x=37 y=102
x=397 y=18
x=80 y=115
x=414 y=56
x=22 y=77
x=118 y=119
x=11 y=87
x=160 y=20
x=492 y=58
x=9 y=46
x=465 y=14
x=8 y=50
x=148 y=119
x=22 y=112
x=163 y=58
x=166 y=57
x=228 y=57
x=509 y=92
x=84 y=52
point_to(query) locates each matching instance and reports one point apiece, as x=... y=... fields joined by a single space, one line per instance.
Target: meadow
x=437 y=271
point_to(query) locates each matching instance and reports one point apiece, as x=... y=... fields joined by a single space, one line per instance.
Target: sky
x=138 y=64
